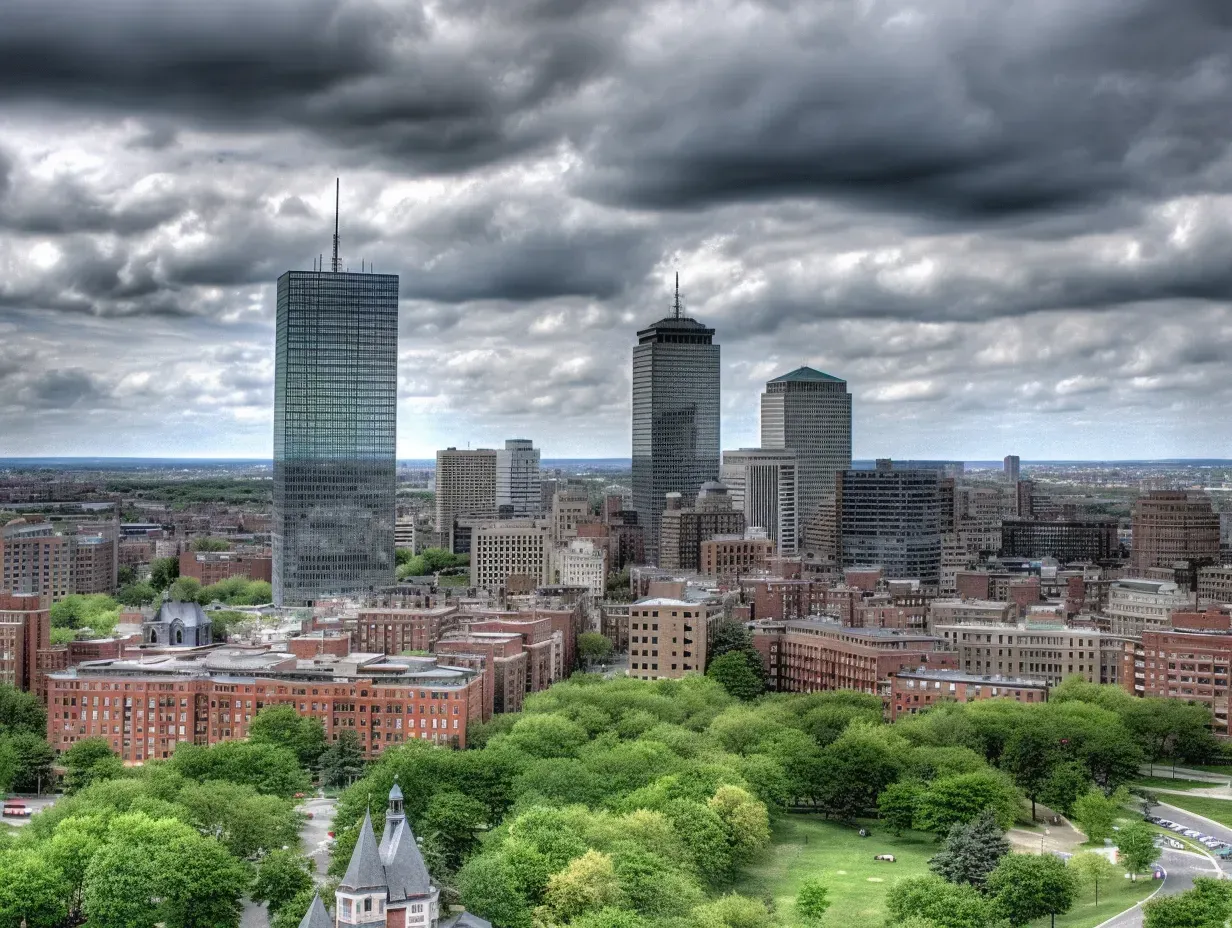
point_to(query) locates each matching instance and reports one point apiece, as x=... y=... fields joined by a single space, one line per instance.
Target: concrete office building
x=1068 y=541
x=892 y=518
x=733 y=555
x=809 y=412
x=517 y=480
x=683 y=530
x=583 y=563
x=465 y=487
x=1215 y=584
x=1038 y=652
x=1011 y=468
x=675 y=416
x=514 y=553
x=668 y=638
x=570 y=508
x=335 y=431
x=1136 y=606
x=1171 y=526
x=764 y=485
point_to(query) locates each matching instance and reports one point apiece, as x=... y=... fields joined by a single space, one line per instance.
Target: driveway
x=314 y=842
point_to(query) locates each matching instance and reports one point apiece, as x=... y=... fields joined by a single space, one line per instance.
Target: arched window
x=153 y=636
x=179 y=636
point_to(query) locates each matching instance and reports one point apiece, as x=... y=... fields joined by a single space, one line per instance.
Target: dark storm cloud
x=955 y=109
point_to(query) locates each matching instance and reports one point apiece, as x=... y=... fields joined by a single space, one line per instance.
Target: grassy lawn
x=1172 y=783
x=809 y=847
x=1219 y=810
x=1113 y=898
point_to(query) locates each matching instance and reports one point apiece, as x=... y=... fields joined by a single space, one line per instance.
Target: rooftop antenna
x=676 y=305
x=337 y=188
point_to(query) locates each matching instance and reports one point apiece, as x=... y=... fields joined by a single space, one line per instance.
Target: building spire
x=337 y=189
x=676 y=304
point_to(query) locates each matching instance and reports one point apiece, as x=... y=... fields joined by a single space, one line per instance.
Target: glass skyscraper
x=675 y=417
x=335 y=429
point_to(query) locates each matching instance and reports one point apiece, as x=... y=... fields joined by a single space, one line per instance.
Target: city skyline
x=1027 y=258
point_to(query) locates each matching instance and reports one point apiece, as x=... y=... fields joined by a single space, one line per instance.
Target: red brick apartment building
x=913 y=690
x=1190 y=661
x=146 y=705
x=25 y=629
x=395 y=631
x=812 y=655
x=214 y=566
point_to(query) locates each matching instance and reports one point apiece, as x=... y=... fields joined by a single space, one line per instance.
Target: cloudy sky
x=1007 y=223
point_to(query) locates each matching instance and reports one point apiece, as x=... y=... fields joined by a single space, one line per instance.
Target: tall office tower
x=763 y=485
x=809 y=412
x=675 y=416
x=1011 y=468
x=1171 y=526
x=465 y=487
x=517 y=479
x=892 y=518
x=335 y=430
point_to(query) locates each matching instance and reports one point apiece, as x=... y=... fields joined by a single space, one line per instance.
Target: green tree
x=268 y=769
x=734 y=911
x=21 y=712
x=95 y=611
x=34 y=762
x=945 y=905
x=586 y=884
x=593 y=647
x=201 y=884
x=855 y=768
x=32 y=890
x=87 y=761
x=185 y=590
x=746 y=821
x=1207 y=905
x=1095 y=813
x=450 y=827
x=1093 y=870
x=293 y=911
x=739 y=673
x=729 y=636
x=283 y=727
x=136 y=594
x=1067 y=782
x=959 y=799
x=812 y=901
x=1029 y=886
x=492 y=888
x=210 y=544
x=125 y=576
x=971 y=851
x=342 y=761
x=1135 y=844
x=163 y=572
x=246 y=822
x=1029 y=757
x=896 y=806
x=281 y=876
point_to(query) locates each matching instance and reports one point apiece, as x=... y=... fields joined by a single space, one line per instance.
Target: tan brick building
x=668 y=638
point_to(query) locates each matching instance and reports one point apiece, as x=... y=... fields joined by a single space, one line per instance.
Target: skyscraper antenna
x=676 y=305
x=337 y=188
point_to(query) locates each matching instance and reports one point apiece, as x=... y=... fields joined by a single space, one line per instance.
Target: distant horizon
x=545 y=461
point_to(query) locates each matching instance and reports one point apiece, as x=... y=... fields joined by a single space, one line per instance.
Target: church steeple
x=393 y=812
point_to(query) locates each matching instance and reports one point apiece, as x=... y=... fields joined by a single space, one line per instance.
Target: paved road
x=1181 y=867
x=314 y=842
x=36 y=805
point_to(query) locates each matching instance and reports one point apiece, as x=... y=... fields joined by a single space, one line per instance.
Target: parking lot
x=1211 y=843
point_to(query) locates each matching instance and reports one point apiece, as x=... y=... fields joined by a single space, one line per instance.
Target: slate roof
x=395 y=865
x=365 y=871
x=801 y=374
x=190 y=615
x=316 y=916
x=466 y=920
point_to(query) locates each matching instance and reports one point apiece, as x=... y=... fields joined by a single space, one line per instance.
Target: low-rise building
x=813 y=655
x=1035 y=651
x=396 y=631
x=210 y=567
x=144 y=707
x=914 y=690
x=732 y=555
x=971 y=611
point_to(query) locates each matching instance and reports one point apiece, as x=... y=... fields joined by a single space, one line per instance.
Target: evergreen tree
x=971 y=851
x=343 y=761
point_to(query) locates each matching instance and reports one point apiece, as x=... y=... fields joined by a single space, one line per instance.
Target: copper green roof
x=802 y=374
